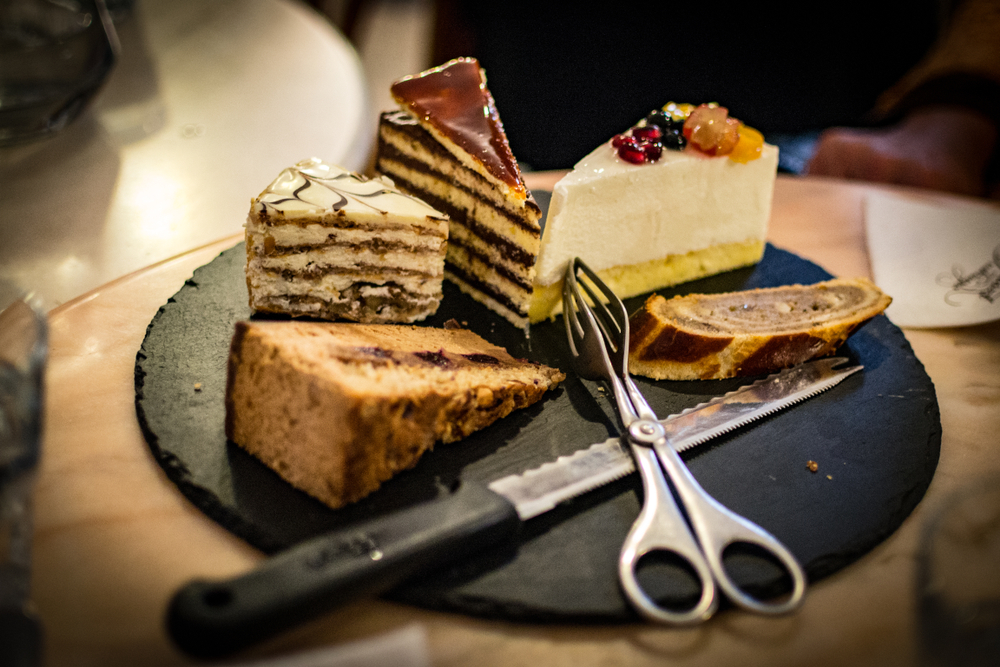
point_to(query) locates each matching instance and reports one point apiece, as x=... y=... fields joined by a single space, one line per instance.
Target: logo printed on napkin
x=984 y=282
x=940 y=262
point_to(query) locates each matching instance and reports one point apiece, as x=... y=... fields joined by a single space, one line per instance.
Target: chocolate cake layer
x=434 y=154
x=361 y=302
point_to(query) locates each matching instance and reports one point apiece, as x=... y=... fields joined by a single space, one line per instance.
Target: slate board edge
x=203 y=499
x=206 y=501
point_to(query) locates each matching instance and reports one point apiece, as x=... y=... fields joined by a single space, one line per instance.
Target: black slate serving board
x=875 y=437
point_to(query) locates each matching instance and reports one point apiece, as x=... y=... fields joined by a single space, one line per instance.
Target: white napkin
x=405 y=647
x=940 y=263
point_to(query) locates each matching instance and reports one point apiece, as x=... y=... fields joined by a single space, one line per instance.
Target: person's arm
x=945 y=114
x=940 y=147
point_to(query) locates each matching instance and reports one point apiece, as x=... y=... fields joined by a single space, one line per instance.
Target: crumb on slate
x=813 y=466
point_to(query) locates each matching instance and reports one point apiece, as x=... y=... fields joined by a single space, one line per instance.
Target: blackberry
x=665 y=121
x=660 y=120
x=673 y=140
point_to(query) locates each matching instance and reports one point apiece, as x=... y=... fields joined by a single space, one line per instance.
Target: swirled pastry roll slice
x=715 y=336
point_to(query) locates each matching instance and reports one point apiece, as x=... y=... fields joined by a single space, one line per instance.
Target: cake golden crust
x=336 y=409
x=714 y=336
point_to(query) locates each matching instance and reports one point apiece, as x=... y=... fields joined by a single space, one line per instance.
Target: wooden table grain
x=114 y=538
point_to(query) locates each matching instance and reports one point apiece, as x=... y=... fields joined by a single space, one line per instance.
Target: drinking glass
x=23 y=351
x=54 y=56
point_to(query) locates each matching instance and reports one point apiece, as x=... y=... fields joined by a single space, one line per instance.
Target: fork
x=598 y=335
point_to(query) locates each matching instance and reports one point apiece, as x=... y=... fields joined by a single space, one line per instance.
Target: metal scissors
x=598 y=334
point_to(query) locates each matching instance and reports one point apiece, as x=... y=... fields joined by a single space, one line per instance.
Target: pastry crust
x=336 y=408
x=715 y=336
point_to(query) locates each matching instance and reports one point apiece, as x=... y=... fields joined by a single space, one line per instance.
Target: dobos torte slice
x=713 y=336
x=448 y=147
x=327 y=243
x=338 y=408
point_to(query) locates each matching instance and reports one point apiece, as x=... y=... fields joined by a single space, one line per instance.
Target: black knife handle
x=215 y=618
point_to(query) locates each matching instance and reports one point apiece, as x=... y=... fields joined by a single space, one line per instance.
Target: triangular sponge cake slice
x=447 y=146
x=336 y=408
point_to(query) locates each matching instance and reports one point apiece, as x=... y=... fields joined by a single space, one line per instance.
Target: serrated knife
x=216 y=618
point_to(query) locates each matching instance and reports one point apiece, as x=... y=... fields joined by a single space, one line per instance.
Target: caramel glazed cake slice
x=448 y=147
x=328 y=243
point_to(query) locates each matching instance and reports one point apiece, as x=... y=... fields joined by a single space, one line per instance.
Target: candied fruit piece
x=674 y=140
x=749 y=146
x=710 y=129
x=678 y=112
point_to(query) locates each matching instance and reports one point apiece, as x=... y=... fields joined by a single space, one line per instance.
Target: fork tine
x=611 y=306
x=575 y=311
x=609 y=327
x=615 y=313
x=610 y=314
x=574 y=330
x=600 y=284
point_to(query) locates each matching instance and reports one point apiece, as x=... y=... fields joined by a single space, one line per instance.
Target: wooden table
x=114 y=537
x=207 y=104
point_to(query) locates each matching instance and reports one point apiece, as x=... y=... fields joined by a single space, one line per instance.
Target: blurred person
x=895 y=91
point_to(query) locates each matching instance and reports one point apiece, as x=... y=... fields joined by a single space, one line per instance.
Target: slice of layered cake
x=685 y=193
x=448 y=147
x=338 y=408
x=327 y=243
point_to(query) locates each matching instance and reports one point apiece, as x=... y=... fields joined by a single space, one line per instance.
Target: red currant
x=632 y=152
x=647 y=132
x=652 y=151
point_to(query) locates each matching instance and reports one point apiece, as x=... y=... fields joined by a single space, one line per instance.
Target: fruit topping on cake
x=707 y=128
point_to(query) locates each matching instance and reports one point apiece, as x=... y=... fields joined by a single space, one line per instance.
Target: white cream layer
x=313 y=188
x=612 y=213
x=329 y=239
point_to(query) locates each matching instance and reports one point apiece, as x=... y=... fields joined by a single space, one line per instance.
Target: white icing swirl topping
x=313 y=187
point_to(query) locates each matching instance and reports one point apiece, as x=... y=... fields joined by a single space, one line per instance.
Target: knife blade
x=536 y=491
x=214 y=618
